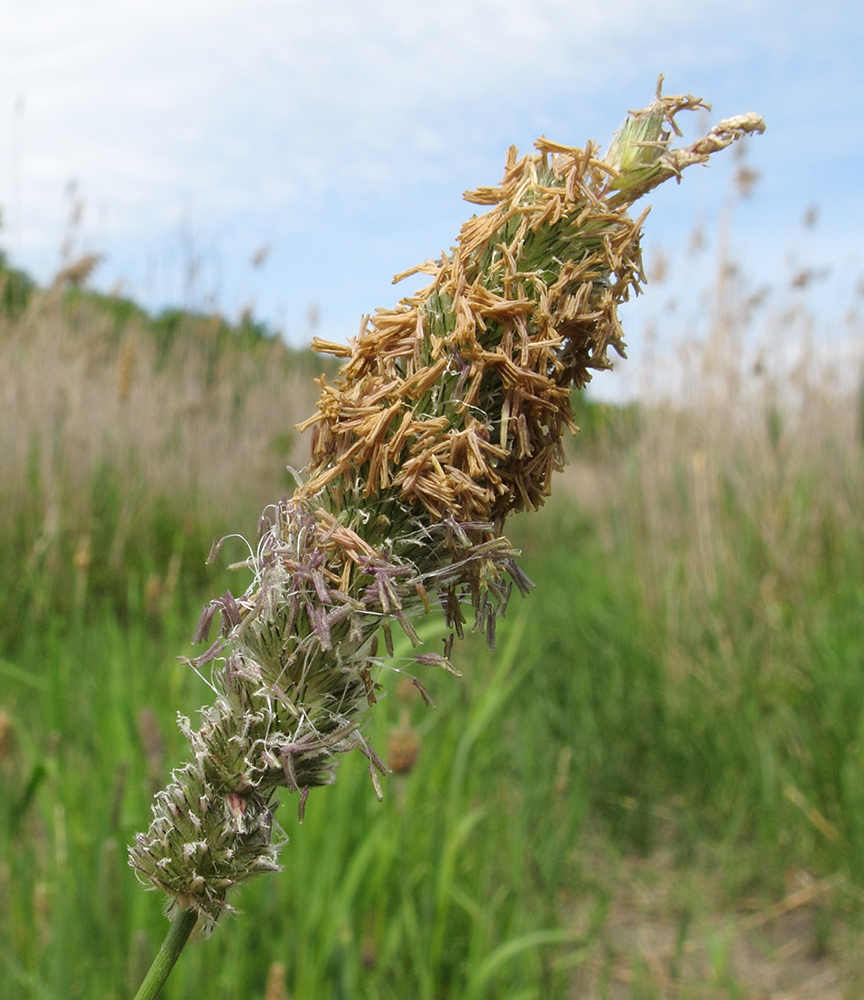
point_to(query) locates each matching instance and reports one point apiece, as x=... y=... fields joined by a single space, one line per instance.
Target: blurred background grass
x=677 y=708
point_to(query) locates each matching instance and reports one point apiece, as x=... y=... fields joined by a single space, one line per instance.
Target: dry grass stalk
x=77 y=273
x=743 y=474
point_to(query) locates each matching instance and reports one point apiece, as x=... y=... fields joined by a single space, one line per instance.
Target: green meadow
x=653 y=788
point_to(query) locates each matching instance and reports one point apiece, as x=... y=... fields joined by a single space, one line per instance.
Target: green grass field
x=653 y=788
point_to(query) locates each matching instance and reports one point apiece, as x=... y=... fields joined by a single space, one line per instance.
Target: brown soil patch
x=659 y=931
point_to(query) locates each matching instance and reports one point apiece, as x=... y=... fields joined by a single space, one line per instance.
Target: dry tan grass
x=759 y=453
x=211 y=426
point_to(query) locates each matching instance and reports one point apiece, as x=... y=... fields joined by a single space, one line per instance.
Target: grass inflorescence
x=447 y=415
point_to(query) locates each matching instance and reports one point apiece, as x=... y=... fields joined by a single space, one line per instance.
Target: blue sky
x=341 y=135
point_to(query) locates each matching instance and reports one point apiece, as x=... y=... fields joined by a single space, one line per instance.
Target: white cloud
x=353 y=127
x=123 y=93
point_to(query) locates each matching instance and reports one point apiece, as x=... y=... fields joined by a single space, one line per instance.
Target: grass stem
x=163 y=963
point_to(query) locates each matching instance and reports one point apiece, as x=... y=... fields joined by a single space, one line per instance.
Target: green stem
x=163 y=963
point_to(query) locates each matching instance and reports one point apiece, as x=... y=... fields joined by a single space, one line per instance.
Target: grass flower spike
x=446 y=416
